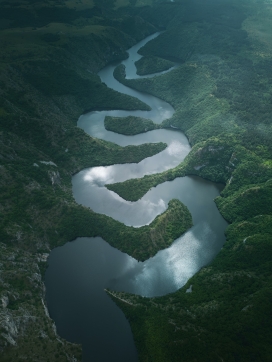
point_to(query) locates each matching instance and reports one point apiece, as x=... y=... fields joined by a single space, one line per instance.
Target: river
x=79 y=271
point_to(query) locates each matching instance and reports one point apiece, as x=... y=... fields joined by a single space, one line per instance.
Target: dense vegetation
x=129 y=125
x=48 y=59
x=226 y=316
x=150 y=65
x=222 y=96
x=144 y=242
x=221 y=93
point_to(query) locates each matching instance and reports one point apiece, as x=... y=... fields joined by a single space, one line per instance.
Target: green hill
x=221 y=92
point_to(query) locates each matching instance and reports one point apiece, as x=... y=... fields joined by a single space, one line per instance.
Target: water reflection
x=75 y=280
x=170 y=269
x=79 y=271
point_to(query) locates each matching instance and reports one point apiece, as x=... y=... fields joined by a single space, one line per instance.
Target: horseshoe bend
x=143 y=231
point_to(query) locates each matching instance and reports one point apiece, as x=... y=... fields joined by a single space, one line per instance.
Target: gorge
x=148 y=284
x=75 y=287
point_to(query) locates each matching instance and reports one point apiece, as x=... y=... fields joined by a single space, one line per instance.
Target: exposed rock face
x=5 y=301
x=24 y=317
x=55 y=177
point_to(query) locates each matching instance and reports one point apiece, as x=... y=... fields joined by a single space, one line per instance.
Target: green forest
x=222 y=96
x=152 y=64
x=129 y=125
x=221 y=92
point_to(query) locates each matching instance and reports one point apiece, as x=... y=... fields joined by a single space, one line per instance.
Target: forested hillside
x=50 y=53
x=222 y=96
x=221 y=91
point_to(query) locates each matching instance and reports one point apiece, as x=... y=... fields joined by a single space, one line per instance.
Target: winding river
x=79 y=271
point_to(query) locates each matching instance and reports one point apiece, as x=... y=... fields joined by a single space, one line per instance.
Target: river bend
x=78 y=272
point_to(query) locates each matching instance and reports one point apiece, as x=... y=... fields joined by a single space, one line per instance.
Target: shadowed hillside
x=221 y=91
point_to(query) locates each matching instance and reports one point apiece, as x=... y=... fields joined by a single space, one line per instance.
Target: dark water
x=79 y=271
x=75 y=280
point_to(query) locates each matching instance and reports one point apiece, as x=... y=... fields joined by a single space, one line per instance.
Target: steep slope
x=222 y=96
x=49 y=58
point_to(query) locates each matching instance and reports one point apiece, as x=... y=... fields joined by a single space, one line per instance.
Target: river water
x=79 y=271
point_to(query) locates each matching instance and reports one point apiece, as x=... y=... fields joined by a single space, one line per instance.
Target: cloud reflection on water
x=170 y=268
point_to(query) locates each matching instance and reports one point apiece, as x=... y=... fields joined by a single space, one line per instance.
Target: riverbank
x=42 y=94
x=230 y=130
x=166 y=271
x=235 y=288
x=129 y=125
